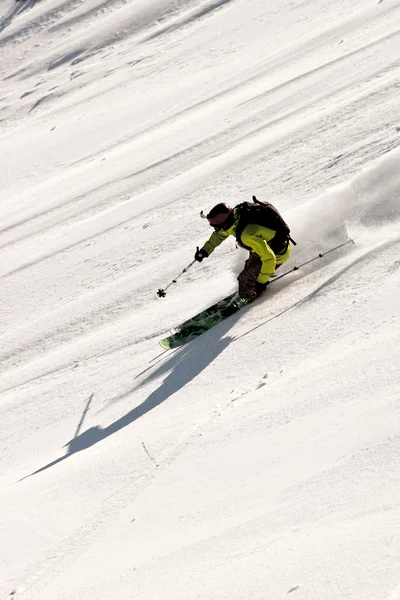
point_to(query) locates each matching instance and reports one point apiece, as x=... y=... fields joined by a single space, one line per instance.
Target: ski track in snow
x=119 y=122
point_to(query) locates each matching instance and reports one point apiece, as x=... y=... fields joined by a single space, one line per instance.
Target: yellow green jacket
x=255 y=237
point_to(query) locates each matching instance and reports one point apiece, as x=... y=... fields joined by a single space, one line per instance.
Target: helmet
x=221 y=217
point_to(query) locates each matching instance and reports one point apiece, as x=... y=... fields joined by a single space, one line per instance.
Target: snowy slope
x=263 y=459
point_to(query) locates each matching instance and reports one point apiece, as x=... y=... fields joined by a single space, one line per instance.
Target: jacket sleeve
x=215 y=239
x=257 y=237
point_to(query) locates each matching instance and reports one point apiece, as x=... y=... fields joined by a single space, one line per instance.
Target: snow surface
x=261 y=461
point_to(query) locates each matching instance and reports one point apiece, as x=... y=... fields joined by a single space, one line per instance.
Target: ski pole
x=162 y=292
x=311 y=260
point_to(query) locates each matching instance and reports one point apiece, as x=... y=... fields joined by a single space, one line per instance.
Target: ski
x=202 y=322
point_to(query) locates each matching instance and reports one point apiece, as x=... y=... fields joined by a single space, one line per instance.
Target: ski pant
x=252 y=267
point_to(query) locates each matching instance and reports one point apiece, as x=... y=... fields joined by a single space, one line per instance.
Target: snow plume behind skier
x=259 y=228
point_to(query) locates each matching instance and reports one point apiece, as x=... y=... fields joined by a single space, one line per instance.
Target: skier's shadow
x=186 y=364
x=19 y=7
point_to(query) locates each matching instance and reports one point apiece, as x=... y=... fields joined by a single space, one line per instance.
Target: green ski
x=204 y=321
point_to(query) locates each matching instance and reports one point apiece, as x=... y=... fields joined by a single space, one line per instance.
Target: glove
x=200 y=254
x=260 y=287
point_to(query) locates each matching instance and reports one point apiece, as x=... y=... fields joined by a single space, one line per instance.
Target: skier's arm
x=256 y=237
x=214 y=240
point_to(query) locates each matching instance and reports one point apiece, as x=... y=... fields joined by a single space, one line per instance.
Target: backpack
x=263 y=213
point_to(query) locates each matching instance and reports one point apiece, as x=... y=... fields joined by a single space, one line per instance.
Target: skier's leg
x=247 y=278
x=283 y=257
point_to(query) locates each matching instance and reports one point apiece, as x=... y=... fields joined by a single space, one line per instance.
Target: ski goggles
x=222 y=222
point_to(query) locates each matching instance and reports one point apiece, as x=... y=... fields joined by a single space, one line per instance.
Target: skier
x=259 y=228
